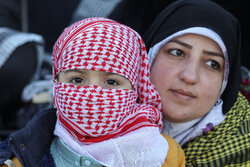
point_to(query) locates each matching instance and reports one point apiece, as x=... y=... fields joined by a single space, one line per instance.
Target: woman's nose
x=189 y=72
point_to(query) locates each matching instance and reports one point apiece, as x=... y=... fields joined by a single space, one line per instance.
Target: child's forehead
x=104 y=46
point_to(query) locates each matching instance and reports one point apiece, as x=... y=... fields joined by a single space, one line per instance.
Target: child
x=108 y=112
x=100 y=69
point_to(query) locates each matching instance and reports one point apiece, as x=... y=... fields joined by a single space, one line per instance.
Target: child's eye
x=77 y=80
x=112 y=82
x=176 y=52
x=213 y=64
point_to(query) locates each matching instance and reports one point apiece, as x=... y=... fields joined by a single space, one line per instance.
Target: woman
x=194 y=52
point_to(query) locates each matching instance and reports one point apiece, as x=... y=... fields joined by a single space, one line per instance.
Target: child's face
x=90 y=77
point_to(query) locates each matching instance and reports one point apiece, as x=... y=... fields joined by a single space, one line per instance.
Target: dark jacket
x=31 y=145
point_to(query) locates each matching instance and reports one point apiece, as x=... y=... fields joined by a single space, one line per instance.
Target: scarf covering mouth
x=93 y=114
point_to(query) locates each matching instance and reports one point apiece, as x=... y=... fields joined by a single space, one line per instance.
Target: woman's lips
x=180 y=94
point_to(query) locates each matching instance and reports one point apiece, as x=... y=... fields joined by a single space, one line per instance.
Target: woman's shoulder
x=227 y=143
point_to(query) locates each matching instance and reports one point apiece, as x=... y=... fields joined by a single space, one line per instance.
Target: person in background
x=194 y=50
x=20 y=62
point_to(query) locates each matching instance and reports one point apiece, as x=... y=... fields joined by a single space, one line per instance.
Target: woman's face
x=188 y=74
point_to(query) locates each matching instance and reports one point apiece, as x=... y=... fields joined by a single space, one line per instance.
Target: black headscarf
x=183 y=14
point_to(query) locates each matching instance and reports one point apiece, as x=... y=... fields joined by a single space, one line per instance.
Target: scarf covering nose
x=93 y=114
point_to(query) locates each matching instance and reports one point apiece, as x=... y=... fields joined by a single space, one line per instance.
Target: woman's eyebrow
x=211 y=53
x=181 y=43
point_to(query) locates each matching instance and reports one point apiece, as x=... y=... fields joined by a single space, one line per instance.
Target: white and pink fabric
x=93 y=114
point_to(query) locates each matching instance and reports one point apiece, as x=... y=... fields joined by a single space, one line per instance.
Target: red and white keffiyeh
x=92 y=114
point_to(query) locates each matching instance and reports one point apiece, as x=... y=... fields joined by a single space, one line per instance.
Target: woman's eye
x=213 y=64
x=112 y=82
x=77 y=80
x=176 y=52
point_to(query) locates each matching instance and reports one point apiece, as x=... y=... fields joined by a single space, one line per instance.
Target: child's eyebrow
x=75 y=70
x=113 y=74
x=85 y=71
x=110 y=73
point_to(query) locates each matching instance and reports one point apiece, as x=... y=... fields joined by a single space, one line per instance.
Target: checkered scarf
x=93 y=114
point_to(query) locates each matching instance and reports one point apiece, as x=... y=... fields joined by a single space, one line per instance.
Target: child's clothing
x=117 y=151
x=64 y=156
